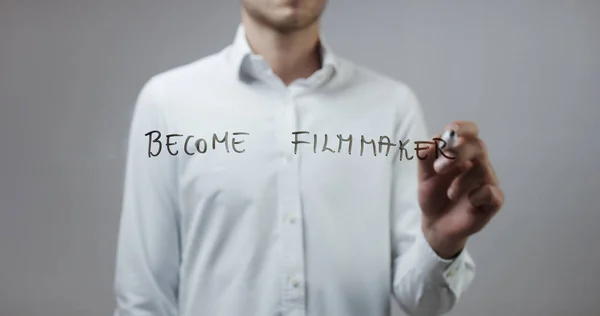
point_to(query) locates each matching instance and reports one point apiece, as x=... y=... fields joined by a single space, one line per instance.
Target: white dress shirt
x=232 y=218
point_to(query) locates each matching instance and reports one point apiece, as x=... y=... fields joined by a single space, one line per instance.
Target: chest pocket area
x=222 y=181
x=215 y=181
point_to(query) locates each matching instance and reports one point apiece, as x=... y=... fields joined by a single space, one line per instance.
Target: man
x=273 y=178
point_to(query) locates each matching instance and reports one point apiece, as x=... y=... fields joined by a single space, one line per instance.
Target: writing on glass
x=233 y=143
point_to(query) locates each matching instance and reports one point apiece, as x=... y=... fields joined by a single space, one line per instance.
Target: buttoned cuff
x=455 y=273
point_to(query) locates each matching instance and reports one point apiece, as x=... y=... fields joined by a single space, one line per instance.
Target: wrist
x=445 y=247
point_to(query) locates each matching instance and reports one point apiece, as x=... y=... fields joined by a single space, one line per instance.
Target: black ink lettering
x=387 y=143
x=234 y=142
x=363 y=142
x=325 y=146
x=403 y=149
x=169 y=144
x=439 y=149
x=341 y=140
x=418 y=148
x=150 y=141
x=185 y=145
x=315 y=143
x=216 y=140
x=296 y=141
x=199 y=142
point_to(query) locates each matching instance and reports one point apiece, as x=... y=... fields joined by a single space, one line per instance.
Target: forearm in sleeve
x=148 y=255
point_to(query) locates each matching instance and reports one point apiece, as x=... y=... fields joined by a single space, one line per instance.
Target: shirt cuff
x=455 y=273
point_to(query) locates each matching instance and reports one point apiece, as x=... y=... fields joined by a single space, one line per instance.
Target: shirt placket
x=292 y=232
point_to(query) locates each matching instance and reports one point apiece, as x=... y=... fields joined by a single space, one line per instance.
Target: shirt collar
x=240 y=53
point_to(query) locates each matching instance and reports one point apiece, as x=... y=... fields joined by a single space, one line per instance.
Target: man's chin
x=292 y=23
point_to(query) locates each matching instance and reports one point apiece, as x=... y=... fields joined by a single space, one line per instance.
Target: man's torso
x=268 y=230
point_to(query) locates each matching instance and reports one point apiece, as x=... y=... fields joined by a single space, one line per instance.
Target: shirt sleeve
x=148 y=250
x=423 y=284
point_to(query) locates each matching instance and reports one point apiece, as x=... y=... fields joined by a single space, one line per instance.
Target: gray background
x=528 y=72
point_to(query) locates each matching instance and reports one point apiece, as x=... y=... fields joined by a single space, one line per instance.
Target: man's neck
x=292 y=55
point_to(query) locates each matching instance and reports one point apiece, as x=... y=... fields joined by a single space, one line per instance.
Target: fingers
x=433 y=154
x=491 y=173
x=466 y=182
x=464 y=128
x=487 y=197
x=466 y=149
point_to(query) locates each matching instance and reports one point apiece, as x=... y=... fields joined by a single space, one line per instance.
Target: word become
x=201 y=145
x=384 y=142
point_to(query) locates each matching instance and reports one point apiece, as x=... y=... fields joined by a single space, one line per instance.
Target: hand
x=459 y=196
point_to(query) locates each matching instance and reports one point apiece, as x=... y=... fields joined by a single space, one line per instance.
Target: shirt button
x=292 y=219
x=295 y=283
